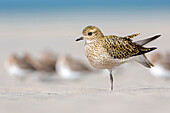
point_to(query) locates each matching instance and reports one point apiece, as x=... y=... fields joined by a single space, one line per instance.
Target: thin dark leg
x=111 y=80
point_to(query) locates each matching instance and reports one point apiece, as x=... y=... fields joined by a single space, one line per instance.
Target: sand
x=136 y=90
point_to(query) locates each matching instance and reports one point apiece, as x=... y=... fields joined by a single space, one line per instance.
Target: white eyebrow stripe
x=92 y=30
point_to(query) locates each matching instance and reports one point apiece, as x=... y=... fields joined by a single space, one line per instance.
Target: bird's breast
x=99 y=57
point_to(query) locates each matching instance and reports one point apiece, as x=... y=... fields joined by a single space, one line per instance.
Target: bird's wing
x=132 y=36
x=122 y=47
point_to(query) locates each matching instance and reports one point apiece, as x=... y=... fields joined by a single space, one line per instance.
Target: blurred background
x=36 y=25
x=32 y=20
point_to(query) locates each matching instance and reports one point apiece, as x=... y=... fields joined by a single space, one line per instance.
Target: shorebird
x=44 y=66
x=28 y=66
x=69 y=68
x=109 y=52
x=49 y=59
x=162 y=65
x=17 y=67
x=46 y=63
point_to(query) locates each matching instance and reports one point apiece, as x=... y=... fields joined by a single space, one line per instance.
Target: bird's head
x=90 y=33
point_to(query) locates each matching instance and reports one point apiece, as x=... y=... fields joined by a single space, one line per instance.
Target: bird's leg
x=111 y=79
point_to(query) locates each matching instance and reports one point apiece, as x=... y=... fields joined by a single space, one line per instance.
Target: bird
x=162 y=65
x=44 y=66
x=70 y=68
x=109 y=52
x=26 y=66
x=17 y=67
x=49 y=59
x=46 y=62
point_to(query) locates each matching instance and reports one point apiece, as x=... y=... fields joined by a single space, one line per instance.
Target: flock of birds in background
x=49 y=65
x=46 y=66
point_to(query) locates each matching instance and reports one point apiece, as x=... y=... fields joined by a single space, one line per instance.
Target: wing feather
x=132 y=36
x=122 y=47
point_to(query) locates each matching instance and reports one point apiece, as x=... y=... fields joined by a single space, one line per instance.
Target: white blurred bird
x=161 y=65
x=69 y=68
x=27 y=66
x=17 y=67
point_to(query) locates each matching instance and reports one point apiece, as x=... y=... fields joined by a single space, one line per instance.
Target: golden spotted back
x=122 y=47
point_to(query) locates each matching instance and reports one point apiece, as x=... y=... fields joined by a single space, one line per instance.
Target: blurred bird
x=46 y=62
x=27 y=66
x=17 y=67
x=44 y=66
x=109 y=52
x=69 y=68
x=162 y=65
x=49 y=59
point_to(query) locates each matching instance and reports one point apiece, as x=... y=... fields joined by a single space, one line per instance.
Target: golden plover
x=109 y=52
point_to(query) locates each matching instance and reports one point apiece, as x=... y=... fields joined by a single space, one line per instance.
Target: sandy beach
x=136 y=90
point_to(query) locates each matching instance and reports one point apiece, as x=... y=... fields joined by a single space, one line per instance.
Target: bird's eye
x=89 y=33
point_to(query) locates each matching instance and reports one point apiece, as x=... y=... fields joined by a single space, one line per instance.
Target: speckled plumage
x=108 y=52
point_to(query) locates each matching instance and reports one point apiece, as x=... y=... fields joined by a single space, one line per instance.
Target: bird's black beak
x=81 y=38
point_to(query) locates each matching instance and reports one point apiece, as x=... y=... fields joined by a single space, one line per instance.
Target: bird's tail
x=142 y=59
x=145 y=41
